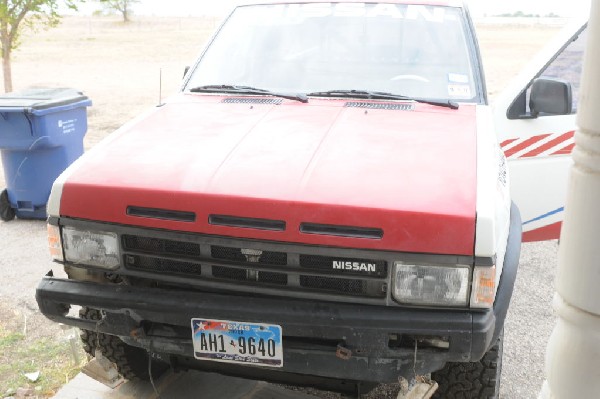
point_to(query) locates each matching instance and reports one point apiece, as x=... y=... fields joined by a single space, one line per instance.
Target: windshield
x=412 y=50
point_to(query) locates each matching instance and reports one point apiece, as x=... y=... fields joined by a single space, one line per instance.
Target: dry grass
x=26 y=348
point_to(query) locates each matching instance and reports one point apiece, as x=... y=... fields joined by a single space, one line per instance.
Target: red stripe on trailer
x=507 y=142
x=550 y=232
x=548 y=145
x=565 y=151
x=525 y=144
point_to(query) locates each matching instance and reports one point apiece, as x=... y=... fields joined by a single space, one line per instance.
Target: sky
x=566 y=8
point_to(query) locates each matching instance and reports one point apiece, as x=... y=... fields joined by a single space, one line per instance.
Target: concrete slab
x=191 y=384
x=83 y=386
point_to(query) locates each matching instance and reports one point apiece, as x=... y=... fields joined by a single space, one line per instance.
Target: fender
x=509 y=271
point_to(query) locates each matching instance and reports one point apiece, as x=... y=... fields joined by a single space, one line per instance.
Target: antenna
x=160 y=103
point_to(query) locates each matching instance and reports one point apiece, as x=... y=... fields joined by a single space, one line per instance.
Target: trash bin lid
x=31 y=100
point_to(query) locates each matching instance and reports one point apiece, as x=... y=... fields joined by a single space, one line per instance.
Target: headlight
x=431 y=285
x=91 y=248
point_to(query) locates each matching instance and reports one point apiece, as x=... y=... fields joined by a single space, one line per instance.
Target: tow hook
x=342 y=352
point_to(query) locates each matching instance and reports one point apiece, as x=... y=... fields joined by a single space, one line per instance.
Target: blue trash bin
x=41 y=133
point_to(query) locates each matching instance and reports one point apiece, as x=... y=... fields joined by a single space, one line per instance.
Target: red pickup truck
x=324 y=203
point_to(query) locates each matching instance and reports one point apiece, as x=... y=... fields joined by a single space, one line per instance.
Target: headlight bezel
x=465 y=272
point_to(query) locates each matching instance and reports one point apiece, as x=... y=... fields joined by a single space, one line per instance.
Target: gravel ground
x=529 y=322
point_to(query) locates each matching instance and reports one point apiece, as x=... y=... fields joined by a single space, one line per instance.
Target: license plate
x=237 y=342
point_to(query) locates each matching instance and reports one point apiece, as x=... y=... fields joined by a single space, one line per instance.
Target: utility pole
x=573 y=353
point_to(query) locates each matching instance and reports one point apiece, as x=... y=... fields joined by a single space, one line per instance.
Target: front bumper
x=381 y=339
x=159 y=320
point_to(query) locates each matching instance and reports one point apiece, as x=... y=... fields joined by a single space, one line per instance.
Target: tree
x=16 y=15
x=122 y=6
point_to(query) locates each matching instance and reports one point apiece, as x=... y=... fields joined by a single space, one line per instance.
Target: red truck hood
x=410 y=174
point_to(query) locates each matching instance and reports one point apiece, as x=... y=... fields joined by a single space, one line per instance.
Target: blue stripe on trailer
x=554 y=212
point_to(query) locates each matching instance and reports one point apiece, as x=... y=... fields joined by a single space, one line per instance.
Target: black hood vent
x=165 y=214
x=378 y=105
x=341 y=231
x=246 y=223
x=250 y=100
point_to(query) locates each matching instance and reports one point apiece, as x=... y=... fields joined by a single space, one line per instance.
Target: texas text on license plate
x=237 y=342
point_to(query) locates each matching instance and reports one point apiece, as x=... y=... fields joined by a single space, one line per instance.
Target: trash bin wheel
x=7 y=213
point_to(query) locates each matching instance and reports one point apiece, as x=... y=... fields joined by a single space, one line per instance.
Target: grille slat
x=160 y=246
x=163 y=265
x=250 y=275
x=333 y=284
x=236 y=255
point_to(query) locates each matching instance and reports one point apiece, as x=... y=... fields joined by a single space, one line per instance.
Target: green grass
x=50 y=356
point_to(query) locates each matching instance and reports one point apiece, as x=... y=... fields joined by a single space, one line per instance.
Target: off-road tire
x=478 y=380
x=131 y=361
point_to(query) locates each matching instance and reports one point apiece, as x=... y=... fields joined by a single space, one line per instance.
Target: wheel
x=131 y=361
x=7 y=213
x=478 y=380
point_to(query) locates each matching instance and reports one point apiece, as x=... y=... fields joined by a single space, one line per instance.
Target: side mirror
x=550 y=96
x=185 y=71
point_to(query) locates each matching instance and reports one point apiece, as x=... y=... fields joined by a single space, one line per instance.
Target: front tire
x=477 y=380
x=131 y=361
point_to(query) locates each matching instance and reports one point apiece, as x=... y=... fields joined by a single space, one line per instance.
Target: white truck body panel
x=538 y=149
x=493 y=197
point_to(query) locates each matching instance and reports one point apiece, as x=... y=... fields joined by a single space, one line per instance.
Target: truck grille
x=333 y=284
x=249 y=275
x=164 y=265
x=236 y=255
x=157 y=245
x=290 y=268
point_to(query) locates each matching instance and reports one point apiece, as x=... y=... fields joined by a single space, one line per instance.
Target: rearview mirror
x=551 y=97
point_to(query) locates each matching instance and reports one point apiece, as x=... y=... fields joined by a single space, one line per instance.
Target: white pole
x=573 y=353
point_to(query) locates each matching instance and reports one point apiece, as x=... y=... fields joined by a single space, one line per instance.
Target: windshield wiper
x=248 y=90
x=379 y=95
